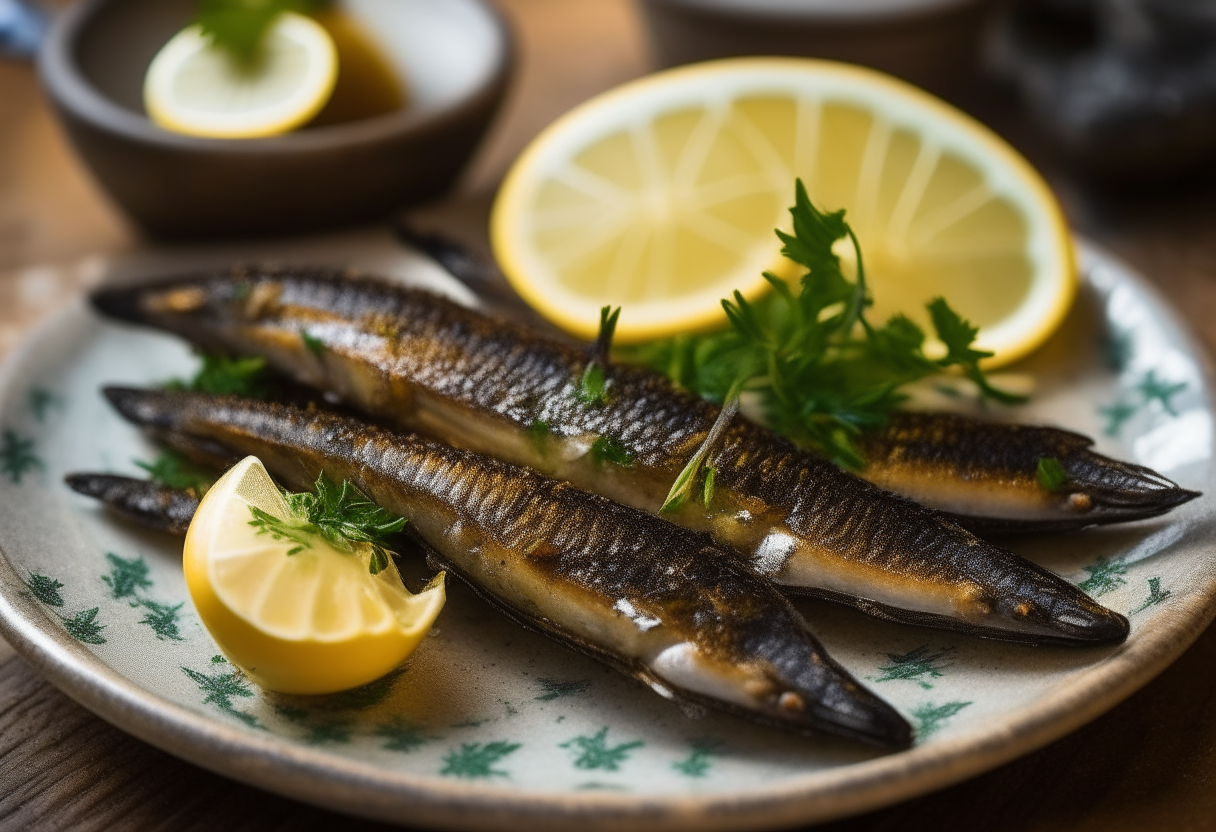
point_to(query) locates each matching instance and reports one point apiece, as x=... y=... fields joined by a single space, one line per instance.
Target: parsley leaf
x=593 y=386
x=821 y=370
x=239 y=27
x=175 y=471
x=223 y=376
x=605 y=450
x=340 y=514
x=1051 y=473
x=313 y=344
x=958 y=335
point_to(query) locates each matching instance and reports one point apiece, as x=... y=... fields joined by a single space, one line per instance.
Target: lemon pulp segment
x=314 y=621
x=662 y=196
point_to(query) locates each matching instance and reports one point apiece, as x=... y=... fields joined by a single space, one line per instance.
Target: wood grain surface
x=1149 y=764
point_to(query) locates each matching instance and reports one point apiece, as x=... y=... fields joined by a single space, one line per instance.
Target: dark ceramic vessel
x=454 y=55
x=932 y=43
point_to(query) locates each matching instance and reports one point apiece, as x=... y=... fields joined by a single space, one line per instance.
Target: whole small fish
x=142 y=501
x=658 y=602
x=430 y=365
x=987 y=475
x=983 y=474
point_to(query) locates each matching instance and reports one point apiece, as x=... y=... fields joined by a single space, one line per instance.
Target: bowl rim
x=888 y=13
x=74 y=93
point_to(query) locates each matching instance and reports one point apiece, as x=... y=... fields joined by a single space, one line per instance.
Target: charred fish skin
x=980 y=473
x=663 y=604
x=427 y=364
x=984 y=474
x=144 y=502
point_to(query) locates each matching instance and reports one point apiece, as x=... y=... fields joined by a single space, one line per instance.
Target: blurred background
x=1115 y=100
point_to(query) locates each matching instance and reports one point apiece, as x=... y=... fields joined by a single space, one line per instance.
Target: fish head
x=192 y=305
x=246 y=310
x=787 y=682
x=816 y=695
x=1045 y=609
x=1105 y=490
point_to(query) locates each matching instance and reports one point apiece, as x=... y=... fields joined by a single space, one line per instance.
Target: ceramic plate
x=493 y=727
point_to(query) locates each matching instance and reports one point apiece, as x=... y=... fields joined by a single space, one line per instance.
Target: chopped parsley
x=223 y=376
x=342 y=515
x=1051 y=473
x=175 y=471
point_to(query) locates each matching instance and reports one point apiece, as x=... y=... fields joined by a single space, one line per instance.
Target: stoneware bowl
x=927 y=42
x=453 y=55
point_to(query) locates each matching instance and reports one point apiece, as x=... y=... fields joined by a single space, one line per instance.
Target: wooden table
x=1148 y=764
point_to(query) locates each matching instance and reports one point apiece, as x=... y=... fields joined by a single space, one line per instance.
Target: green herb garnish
x=312 y=343
x=539 y=432
x=342 y=515
x=605 y=450
x=821 y=370
x=682 y=488
x=707 y=492
x=175 y=471
x=593 y=387
x=1051 y=473
x=239 y=27
x=222 y=376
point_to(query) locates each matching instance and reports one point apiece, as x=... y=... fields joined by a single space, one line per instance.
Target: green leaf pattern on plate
x=917 y=666
x=18 y=456
x=475 y=760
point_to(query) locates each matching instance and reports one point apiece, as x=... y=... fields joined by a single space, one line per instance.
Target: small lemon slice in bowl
x=662 y=195
x=195 y=88
x=300 y=618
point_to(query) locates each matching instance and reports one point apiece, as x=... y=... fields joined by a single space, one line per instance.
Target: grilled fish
x=981 y=473
x=658 y=602
x=142 y=501
x=424 y=363
x=985 y=475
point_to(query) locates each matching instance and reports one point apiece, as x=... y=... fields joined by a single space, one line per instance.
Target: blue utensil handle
x=22 y=27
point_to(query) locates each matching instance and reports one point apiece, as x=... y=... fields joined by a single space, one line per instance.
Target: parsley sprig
x=239 y=27
x=223 y=376
x=823 y=372
x=593 y=385
x=342 y=515
x=176 y=471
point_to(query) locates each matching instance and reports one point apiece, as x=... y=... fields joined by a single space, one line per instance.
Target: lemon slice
x=662 y=195
x=195 y=88
x=316 y=621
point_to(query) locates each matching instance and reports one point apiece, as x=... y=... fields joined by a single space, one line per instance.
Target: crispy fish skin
x=980 y=473
x=427 y=364
x=985 y=475
x=141 y=501
x=663 y=604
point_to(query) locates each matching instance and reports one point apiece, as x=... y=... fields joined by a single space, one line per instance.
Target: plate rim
x=345 y=785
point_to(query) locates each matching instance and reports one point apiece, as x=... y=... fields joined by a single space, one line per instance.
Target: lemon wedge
x=661 y=196
x=195 y=88
x=316 y=621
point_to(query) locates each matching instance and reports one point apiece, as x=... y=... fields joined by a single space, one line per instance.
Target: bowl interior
x=442 y=49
